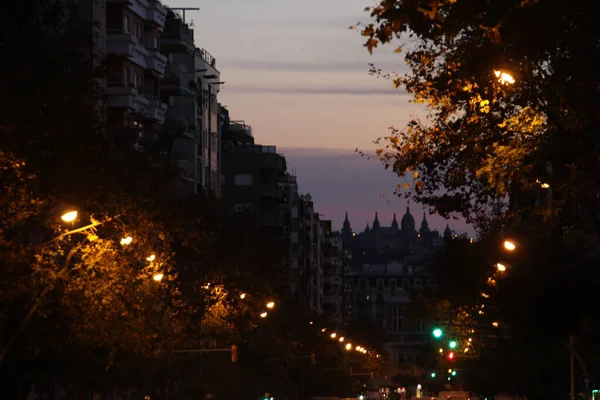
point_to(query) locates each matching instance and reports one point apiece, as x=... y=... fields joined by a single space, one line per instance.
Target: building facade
x=388 y=265
x=135 y=67
x=191 y=87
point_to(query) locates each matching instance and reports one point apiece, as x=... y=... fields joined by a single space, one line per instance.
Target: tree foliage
x=507 y=108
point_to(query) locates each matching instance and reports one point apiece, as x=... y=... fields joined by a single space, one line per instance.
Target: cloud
x=315 y=90
x=303 y=66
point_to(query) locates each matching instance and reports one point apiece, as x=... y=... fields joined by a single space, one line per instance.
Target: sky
x=297 y=74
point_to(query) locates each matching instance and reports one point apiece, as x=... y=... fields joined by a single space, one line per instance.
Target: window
x=418 y=282
x=243 y=207
x=405 y=284
x=127 y=79
x=380 y=285
x=243 y=179
x=126 y=26
x=397 y=318
x=392 y=285
x=138 y=30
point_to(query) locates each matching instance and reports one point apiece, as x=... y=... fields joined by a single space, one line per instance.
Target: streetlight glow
x=501 y=267
x=333 y=335
x=70 y=216
x=126 y=241
x=151 y=258
x=271 y=304
x=341 y=339
x=349 y=346
x=504 y=78
x=263 y=314
x=158 y=277
x=243 y=296
x=509 y=245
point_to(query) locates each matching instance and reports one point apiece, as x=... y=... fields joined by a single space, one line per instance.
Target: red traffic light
x=451 y=355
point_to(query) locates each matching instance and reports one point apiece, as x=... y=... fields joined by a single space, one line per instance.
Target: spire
x=367 y=229
x=376 y=222
x=346 y=219
x=346 y=229
x=394 y=222
x=424 y=225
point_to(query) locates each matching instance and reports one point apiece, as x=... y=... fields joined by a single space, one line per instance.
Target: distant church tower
x=395 y=222
x=346 y=231
x=447 y=232
x=424 y=231
x=376 y=224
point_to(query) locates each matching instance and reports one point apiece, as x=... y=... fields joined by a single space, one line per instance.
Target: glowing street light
x=158 y=277
x=243 y=296
x=341 y=339
x=349 y=346
x=504 y=78
x=509 y=245
x=69 y=216
x=333 y=335
x=501 y=267
x=151 y=258
x=271 y=304
x=263 y=314
x=126 y=241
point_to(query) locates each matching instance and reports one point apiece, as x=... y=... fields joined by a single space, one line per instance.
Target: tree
x=508 y=143
x=506 y=108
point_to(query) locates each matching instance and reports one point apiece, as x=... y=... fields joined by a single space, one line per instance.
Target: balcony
x=156 y=62
x=178 y=81
x=156 y=13
x=121 y=95
x=156 y=110
x=120 y=42
x=187 y=170
x=139 y=7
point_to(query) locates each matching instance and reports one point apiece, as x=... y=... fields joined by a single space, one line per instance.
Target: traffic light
x=313 y=359
x=453 y=373
x=437 y=332
x=433 y=375
x=452 y=344
x=234 y=353
x=451 y=356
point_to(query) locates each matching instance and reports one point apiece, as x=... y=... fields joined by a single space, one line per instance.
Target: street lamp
x=127 y=240
x=158 y=277
x=333 y=335
x=504 y=77
x=501 y=267
x=271 y=304
x=263 y=314
x=151 y=258
x=243 y=296
x=349 y=346
x=69 y=216
x=509 y=245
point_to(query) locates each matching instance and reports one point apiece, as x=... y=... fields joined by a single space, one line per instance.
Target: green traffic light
x=452 y=344
x=433 y=374
x=437 y=333
x=453 y=373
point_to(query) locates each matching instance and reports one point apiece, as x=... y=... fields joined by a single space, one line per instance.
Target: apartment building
x=190 y=88
x=135 y=66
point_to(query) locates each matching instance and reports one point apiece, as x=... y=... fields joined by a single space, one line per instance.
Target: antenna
x=183 y=10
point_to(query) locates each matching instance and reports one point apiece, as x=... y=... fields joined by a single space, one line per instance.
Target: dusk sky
x=299 y=77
